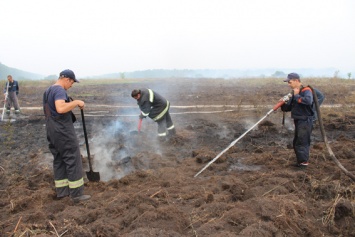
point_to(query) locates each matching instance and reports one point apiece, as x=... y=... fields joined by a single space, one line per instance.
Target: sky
x=94 y=37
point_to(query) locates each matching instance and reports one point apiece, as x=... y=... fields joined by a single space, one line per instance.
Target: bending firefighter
x=63 y=143
x=155 y=107
x=11 y=91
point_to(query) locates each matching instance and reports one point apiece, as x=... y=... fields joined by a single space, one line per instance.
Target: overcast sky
x=97 y=37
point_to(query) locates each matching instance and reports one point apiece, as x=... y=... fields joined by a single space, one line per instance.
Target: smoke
x=224 y=132
x=289 y=125
x=115 y=144
x=109 y=150
x=249 y=123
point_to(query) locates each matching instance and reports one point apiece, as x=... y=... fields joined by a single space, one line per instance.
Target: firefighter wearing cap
x=63 y=143
x=301 y=107
x=155 y=107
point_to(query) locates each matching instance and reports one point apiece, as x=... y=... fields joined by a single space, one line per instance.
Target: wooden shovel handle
x=140 y=124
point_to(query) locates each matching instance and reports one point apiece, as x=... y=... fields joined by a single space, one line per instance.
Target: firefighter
x=301 y=107
x=11 y=92
x=155 y=107
x=63 y=143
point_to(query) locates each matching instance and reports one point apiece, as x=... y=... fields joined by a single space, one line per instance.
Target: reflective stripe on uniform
x=151 y=95
x=151 y=98
x=162 y=113
x=76 y=184
x=144 y=114
x=61 y=183
x=162 y=134
x=171 y=127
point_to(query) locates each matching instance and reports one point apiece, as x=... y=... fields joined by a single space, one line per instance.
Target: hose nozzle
x=284 y=100
x=287 y=97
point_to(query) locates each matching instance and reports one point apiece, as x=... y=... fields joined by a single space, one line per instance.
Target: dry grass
x=328 y=218
x=236 y=91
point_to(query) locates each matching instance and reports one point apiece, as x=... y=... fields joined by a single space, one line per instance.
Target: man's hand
x=81 y=104
x=62 y=107
x=141 y=116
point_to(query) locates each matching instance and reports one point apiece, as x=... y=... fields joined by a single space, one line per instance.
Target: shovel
x=139 y=127
x=92 y=176
x=6 y=95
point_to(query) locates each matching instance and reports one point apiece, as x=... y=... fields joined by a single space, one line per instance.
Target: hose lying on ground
x=336 y=161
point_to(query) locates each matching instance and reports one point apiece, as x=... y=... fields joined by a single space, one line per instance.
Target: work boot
x=162 y=139
x=59 y=198
x=302 y=165
x=81 y=198
x=17 y=111
x=171 y=132
x=8 y=112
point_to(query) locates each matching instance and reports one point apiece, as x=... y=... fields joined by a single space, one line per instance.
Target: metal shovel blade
x=93 y=176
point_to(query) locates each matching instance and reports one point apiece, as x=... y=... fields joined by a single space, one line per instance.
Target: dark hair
x=135 y=93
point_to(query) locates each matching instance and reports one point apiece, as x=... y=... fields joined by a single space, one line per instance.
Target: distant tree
x=122 y=75
x=349 y=75
x=278 y=74
x=336 y=74
x=51 y=77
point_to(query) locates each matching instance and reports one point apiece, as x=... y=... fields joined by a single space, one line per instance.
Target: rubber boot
x=161 y=139
x=171 y=132
x=81 y=198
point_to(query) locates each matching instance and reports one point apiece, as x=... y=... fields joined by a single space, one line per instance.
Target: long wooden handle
x=140 y=124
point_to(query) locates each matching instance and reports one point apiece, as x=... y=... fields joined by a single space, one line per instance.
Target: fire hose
x=278 y=105
x=331 y=153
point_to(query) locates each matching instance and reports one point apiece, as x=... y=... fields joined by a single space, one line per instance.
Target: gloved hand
x=141 y=116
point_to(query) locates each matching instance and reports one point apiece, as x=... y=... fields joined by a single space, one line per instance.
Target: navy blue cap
x=291 y=76
x=69 y=74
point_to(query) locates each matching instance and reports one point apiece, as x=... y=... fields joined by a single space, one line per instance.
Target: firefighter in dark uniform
x=63 y=143
x=301 y=107
x=155 y=107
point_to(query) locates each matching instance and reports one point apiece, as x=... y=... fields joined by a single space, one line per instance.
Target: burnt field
x=148 y=188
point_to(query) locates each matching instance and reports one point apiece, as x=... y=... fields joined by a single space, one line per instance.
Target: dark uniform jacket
x=13 y=87
x=152 y=104
x=301 y=105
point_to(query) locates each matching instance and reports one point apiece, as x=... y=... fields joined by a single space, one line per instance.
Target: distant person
x=11 y=90
x=155 y=107
x=301 y=107
x=63 y=143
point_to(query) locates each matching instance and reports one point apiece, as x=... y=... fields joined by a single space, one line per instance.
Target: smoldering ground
x=250 y=191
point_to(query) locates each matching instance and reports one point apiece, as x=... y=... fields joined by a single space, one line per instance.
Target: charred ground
x=149 y=189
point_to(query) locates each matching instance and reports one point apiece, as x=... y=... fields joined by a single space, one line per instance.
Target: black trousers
x=67 y=163
x=302 y=139
x=165 y=124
